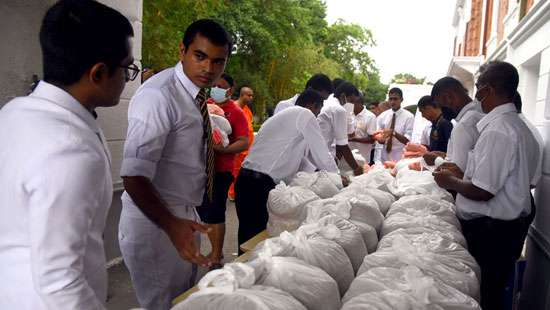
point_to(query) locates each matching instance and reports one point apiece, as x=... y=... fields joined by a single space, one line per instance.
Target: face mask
x=218 y=94
x=448 y=113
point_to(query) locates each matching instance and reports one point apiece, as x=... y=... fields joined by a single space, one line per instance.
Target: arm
x=63 y=201
x=239 y=125
x=401 y=138
x=367 y=140
x=240 y=145
x=445 y=179
x=180 y=231
x=345 y=151
x=148 y=127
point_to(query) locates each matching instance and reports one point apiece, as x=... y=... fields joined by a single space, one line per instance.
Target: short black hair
x=310 y=96
x=447 y=83
x=77 y=34
x=396 y=91
x=518 y=103
x=502 y=76
x=228 y=79
x=427 y=101
x=347 y=89
x=320 y=82
x=336 y=82
x=211 y=30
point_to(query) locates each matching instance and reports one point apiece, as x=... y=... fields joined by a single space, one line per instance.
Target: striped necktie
x=389 y=143
x=207 y=135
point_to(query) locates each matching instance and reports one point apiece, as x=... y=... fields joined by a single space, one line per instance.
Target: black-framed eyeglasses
x=131 y=72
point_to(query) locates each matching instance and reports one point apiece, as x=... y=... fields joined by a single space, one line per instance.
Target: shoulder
x=407 y=113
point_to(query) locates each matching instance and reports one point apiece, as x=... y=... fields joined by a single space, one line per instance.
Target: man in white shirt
x=464 y=114
x=56 y=181
x=281 y=144
x=397 y=126
x=365 y=126
x=167 y=167
x=333 y=121
x=494 y=200
x=318 y=82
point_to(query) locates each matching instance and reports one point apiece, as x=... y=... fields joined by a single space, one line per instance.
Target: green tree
x=407 y=78
x=279 y=44
x=375 y=91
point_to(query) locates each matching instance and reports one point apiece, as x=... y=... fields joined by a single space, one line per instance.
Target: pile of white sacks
x=383 y=242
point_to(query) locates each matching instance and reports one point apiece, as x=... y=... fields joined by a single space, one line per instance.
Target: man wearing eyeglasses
x=168 y=167
x=56 y=185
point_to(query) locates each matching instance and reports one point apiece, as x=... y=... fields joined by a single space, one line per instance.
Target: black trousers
x=251 y=193
x=496 y=245
x=214 y=212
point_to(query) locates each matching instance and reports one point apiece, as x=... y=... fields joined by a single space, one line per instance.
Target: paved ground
x=121 y=293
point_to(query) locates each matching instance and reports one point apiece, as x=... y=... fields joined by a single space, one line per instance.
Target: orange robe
x=240 y=157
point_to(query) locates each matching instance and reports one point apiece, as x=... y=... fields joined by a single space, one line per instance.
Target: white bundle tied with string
x=233 y=288
x=310 y=285
x=320 y=182
x=411 y=182
x=387 y=300
x=404 y=220
x=411 y=280
x=383 y=199
x=421 y=205
x=286 y=207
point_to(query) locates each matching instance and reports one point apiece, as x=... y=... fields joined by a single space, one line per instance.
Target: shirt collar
x=397 y=112
x=63 y=99
x=494 y=114
x=191 y=88
x=469 y=107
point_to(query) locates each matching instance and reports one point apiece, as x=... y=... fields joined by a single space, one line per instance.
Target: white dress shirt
x=164 y=141
x=56 y=189
x=404 y=122
x=535 y=162
x=283 y=104
x=282 y=143
x=500 y=164
x=333 y=121
x=365 y=125
x=464 y=134
x=350 y=117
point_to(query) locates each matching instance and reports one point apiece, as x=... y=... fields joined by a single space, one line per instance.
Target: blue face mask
x=218 y=94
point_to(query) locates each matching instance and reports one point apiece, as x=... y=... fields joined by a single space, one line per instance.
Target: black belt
x=254 y=174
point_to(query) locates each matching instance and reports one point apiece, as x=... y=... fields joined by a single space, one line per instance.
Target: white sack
x=310 y=285
x=383 y=199
x=377 y=177
x=387 y=300
x=411 y=182
x=413 y=281
x=454 y=236
x=319 y=182
x=403 y=220
x=286 y=207
x=421 y=205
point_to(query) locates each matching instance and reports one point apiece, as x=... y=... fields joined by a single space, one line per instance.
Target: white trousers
x=158 y=273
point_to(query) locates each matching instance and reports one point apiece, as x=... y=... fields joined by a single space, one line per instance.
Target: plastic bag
x=450 y=236
x=387 y=300
x=319 y=182
x=365 y=210
x=221 y=128
x=382 y=198
x=433 y=243
x=232 y=288
x=377 y=177
x=310 y=285
x=448 y=270
x=404 y=220
x=414 y=282
x=323 y=253
x=342 y=208
x=410 y=182
x=345 y=168
x=286 y=207
x=341 y=231
x=421 y=205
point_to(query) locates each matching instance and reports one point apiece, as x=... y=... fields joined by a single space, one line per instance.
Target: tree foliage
x=279 y=44
x=407 y=78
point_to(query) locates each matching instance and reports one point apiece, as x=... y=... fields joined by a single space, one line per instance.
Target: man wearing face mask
x=333 y=121
x=494 y=201
x=464 y=114
x=213 y=212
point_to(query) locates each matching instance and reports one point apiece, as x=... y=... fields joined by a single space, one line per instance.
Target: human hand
x=181 y=233
x=453 y=168
x=345 y=180
x=429 y=158
x=444 y=178
x=358 y=171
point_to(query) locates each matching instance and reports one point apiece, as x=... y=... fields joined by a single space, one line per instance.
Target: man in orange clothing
x=246 y=95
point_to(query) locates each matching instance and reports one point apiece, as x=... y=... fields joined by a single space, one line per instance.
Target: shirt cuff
x=341 y=141
x=132 y=167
